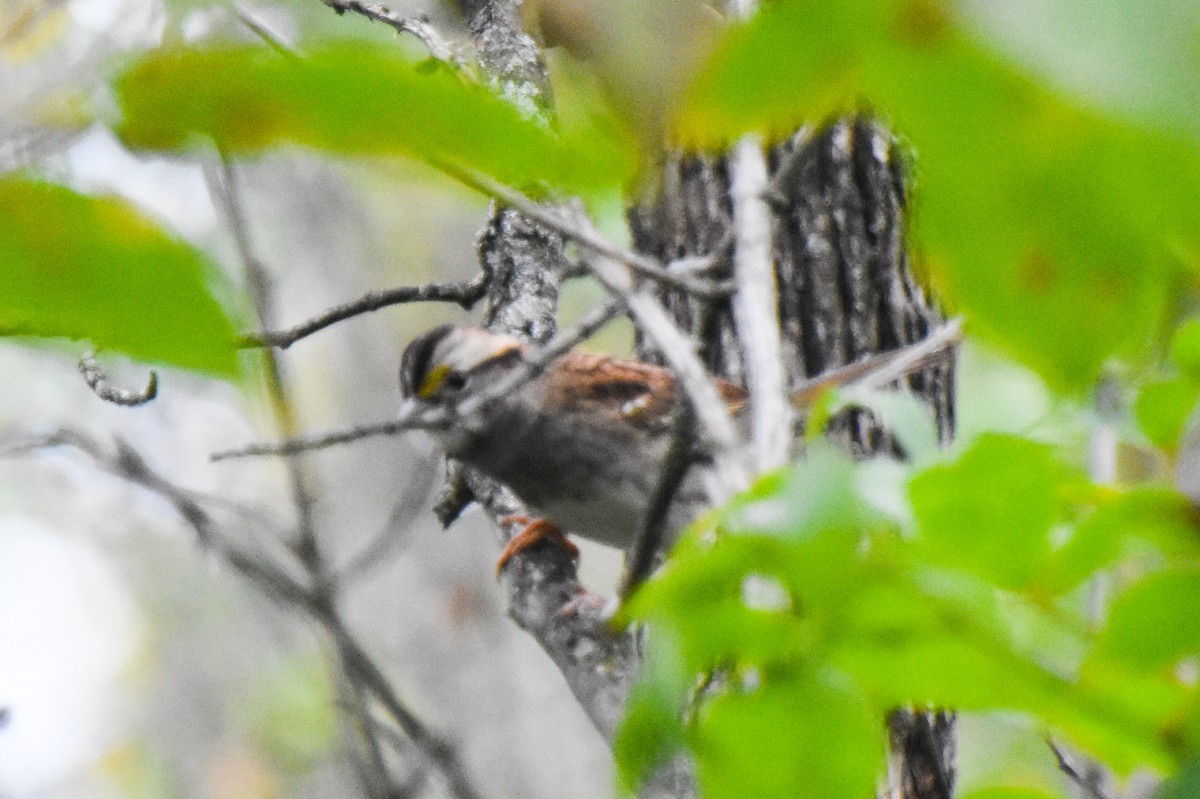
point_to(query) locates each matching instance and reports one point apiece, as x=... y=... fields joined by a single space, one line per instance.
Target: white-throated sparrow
x=582 y=442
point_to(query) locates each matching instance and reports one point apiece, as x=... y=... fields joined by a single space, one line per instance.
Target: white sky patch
x=68 y=628
x=172 y=190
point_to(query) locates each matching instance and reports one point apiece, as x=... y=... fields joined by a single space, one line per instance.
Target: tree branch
x=464 y=294
x=1090 y=783
x=98 y=382
x=223 y=186
x=416 y=26
x=756 y=307
x=298 y=444
x=127 y=464
x=680 y=456
x=586 y=236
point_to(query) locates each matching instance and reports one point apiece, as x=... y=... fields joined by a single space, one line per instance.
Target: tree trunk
x=845 y=290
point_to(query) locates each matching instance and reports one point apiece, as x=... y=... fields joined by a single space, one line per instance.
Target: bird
x=582 y=441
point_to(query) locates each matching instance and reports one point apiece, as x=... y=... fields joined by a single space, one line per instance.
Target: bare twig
x=415 y=26
x=373 y=773
x=679 y=458
x=1089 y=783
x=464 y=294
x=362 y=669
x=223 y=185
x=127 y=464
x=390 y=536
x=296 y=445
x=756 y=307
x=260 y=29
x=584 y=235
x=420 y=417
x=542 y=357
x=876 y=371
x=99 y=383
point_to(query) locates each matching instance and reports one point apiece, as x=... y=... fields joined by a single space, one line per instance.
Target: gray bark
x=846 y=289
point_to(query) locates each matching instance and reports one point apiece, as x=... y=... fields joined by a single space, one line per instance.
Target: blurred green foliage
x=358 y=99
x=96 y=269
x=1069 y=236
x=292 y=717
x=789 y=624
x=864 y=613
x=1064 y=233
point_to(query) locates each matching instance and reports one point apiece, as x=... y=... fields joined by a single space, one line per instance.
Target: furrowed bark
x=846 y=289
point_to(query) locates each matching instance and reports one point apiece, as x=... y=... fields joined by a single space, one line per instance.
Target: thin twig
x=421 y=417
x=1089 y=784
x=98 y=382
x=390 y=536
x=679 y=458
x=223 y=185
x=419 y=773
x=373 y=773
x=292 y=446
x=464 y=294
x=584 y=235
x=415 y=26
x=127 y=464
x=756 y=307
x=540 y=358
x=260 y=29
x=878 y=370
x=362 y=669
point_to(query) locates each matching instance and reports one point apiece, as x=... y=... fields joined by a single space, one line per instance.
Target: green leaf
x=809 y=497
x=810 y=736
x=1061 y=232
x=1185 y=348
x=991 y=512
x=94 y=268
x=357 y=99
x=1159 y=516
x=1010 y=792
x=1154 y=623
x=1135 y=56
x=1163 y=408
x=1143 y=710
x=652 y=730
x=1184 y=785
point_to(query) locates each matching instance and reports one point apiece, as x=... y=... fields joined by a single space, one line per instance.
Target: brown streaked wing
x=640 y=394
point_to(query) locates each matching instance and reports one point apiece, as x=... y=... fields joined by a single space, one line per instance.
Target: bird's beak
x=410 y=412
x=418 y=415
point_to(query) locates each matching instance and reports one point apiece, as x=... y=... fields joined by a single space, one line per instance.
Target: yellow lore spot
x=433 y=380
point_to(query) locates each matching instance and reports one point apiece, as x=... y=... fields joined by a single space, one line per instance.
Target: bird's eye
x=455 y=381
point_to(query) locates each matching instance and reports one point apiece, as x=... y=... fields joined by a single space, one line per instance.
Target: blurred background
x=133 y=663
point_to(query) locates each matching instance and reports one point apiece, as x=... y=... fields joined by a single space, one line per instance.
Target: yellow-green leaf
x=357 y=99
x=94 y=268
